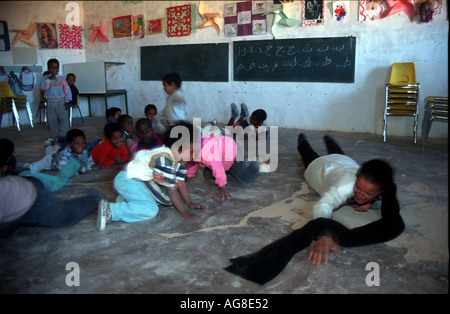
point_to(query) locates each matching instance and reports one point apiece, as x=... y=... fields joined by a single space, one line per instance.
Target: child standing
x=111 y=151
x=175 y=109
x=150 y=112
x=153 y=177
x=58 y=95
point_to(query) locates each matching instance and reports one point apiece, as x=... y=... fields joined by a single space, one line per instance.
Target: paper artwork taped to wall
x=70 y=37
x=179 y=20
x=245 y=18
x=138 y=25
x=436 y=5
x=313 y=12
x=396 y=6
x=370 y=9
x=122 y=26
x=47 y=35
x=155 y=26
x=341 y=12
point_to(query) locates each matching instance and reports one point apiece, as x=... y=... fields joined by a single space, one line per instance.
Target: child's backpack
x=27 y=79
x=15 y=84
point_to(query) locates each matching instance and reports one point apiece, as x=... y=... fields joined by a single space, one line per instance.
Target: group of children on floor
x=155 y=170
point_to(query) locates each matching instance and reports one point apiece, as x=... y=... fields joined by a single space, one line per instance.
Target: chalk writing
x=303 y=60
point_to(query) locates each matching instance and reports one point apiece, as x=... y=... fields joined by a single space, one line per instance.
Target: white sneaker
x=103 y=215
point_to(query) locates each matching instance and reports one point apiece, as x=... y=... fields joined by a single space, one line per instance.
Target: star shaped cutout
x=209 y=19
x=25 y=35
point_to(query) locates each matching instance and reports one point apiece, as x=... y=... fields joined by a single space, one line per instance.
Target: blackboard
x=196 y=62
x=295 y=60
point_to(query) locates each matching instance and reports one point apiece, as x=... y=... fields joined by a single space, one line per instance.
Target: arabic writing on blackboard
x=303 y=60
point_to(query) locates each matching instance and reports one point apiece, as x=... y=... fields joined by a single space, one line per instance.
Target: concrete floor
x=169 y=254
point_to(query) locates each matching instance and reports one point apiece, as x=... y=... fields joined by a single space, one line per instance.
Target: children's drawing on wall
x=341 y=11
x=138 y=25
x=312 y=12
x=245 y=18
x=155 y=26
x=426 y=9
x=369 y=9
x=70 y=37
x=47 y=36
x=122 y=26
x=181 y=20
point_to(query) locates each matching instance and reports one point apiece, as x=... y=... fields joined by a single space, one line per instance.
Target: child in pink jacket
x=218 y=154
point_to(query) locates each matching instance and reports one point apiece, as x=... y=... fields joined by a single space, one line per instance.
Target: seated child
x=147 y=138
x=7 y=149
x=112 y=114
x=71 y=78
x=126 y=122
x=218 y=154
x=153 y=177
x=111 y=151
x=150 y=112
x=57 y=157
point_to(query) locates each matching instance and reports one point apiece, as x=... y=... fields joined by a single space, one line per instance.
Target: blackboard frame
x=193 y=62
x=323 y=59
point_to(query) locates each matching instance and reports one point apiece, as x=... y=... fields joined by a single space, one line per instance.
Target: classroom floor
x=172 y=255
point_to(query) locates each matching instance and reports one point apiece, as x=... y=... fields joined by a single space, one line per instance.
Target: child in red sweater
x=112 y=150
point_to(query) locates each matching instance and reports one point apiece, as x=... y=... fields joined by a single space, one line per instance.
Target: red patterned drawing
x=179 y=21
x=70 y=37
x=155 y=26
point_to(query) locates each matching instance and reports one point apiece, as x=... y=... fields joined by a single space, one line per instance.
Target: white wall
x=356 y=107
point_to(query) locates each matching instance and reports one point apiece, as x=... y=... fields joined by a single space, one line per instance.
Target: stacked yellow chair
x=435 y=109
x=13 y=103
x=402 y=95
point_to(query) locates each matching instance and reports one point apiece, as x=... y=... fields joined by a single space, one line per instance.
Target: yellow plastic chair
x=13 y=103
x=436 y=109
x=42 y=109
x=402 y=95
x=76 y=106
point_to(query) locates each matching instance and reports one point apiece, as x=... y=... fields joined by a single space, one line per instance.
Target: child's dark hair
x=260 y=115
x=111 y=128
x=172 y=78
x=71 y=134
x=123 y=118
x=53 y=60
x=71 y=74
x=111 y=112
x=143 y=121
x=377 y=172
x=150 y=107
x=182 y=127
x=6 y=150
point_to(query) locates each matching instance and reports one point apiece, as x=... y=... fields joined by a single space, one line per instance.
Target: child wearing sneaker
x=153 y=177
x=255 y=121
x=111 y=151
x=57 y=157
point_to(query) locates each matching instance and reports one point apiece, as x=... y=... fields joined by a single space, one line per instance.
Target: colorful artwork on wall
x=313 y=12
x=370 y=9
x=180 y=19
x=245 y=18
x=341 y=12
x=155 y=26
x=70 y=37
x=122 y=26
x=47 y=35
x=138 y=26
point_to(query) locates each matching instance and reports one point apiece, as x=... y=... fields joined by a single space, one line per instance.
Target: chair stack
x=42 y=109
x=435 y=109
x=13 y=103
x=402 y=95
